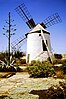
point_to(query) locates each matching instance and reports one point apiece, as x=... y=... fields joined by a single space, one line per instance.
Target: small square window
x=39 y=34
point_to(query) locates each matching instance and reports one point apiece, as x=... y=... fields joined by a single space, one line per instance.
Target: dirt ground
x=19 y=86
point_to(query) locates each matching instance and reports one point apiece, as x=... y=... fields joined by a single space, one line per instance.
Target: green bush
x=40 y=69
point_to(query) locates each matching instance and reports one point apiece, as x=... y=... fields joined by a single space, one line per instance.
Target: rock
x=55 y=76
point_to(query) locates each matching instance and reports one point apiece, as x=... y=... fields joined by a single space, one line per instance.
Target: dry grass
x=60 y=74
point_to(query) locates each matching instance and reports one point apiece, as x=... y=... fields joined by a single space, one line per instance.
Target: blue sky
x=40 y=10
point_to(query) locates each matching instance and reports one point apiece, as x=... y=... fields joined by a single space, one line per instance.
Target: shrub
x=64 y=61
x=7 y=69
x=65 y=77
x=40 y=69
x=57 y=61
x=22 y=61
x=57 y=93
x=33 y=62
x=54 y=92
x=60 y=74
x=63 y=86
x=64 y=68
x=60 y=61
x=58 y=56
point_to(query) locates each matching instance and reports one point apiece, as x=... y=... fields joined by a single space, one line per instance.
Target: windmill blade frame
x=25 y=15
x=15 y=45
x=51 y=20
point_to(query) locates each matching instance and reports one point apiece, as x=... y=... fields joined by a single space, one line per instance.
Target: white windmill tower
x=38 y=44
x=38 y=39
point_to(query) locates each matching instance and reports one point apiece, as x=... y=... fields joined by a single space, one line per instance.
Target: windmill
x=38 y=39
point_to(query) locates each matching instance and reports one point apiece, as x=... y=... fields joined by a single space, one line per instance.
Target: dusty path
x=18 y=86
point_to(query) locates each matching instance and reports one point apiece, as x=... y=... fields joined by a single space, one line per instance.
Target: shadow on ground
x=50 y=93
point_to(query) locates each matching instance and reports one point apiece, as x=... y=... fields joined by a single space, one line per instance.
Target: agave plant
x=5 y=67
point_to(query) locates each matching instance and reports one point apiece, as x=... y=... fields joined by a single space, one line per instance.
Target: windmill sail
x=25 y=15
x=51 y=20
x=17 y=44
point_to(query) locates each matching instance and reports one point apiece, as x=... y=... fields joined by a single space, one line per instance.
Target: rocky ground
x=20 y=85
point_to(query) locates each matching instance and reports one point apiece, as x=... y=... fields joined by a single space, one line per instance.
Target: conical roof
x=38 y=27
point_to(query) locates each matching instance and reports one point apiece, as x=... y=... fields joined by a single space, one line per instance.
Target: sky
x=39 y=10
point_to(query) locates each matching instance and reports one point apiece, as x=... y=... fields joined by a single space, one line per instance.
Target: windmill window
x=39 y=34
x=44 y=46
x=46 y=42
